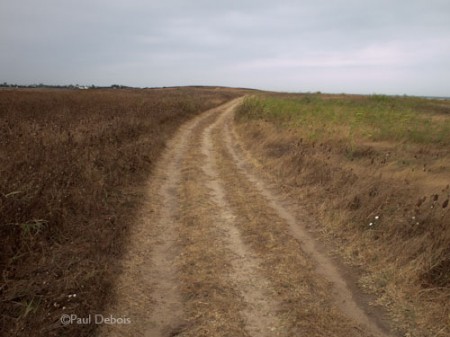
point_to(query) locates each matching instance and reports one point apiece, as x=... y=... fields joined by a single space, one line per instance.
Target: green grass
x=373 y=118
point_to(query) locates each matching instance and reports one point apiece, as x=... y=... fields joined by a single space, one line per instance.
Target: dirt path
x=261 y=306
x=218 y=252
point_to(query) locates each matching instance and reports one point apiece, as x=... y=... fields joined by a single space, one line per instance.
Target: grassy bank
x=73 y=168
x=376 y=171
x=355 y=118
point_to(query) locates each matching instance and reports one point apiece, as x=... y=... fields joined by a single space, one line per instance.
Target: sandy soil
x=220 y=252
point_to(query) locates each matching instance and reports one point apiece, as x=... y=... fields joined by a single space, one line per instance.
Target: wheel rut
x=216 y=252
x=260 y=306
x=324 y=267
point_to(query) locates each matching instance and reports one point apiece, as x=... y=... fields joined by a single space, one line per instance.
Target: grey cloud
x=340 y=45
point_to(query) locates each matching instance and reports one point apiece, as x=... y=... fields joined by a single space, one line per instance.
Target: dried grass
x=73 y=164
x=387 y=208
x=212 y=303
x=306 y=304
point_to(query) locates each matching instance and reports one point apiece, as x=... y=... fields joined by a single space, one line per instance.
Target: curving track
x=219 y=252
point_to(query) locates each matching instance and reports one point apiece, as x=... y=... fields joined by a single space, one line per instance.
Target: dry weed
x=73 y=164
x=386 y=201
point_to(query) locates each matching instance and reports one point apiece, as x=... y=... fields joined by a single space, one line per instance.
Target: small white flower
x=70 y=296
x=414 y=218
x=74 y=295
x=64 y=308
x=376 y=217
x=371 y=224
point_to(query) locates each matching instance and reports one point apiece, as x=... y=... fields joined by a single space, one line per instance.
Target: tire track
x=260 y=310
x=147 y=291
x=216 y=252
x=343 y=296
x=212 y=302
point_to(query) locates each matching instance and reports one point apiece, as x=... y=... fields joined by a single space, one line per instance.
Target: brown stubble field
x=73 y=167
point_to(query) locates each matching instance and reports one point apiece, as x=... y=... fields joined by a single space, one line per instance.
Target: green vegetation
x=373 y=118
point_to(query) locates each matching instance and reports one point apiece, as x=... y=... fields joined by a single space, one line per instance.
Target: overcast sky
x=352 y=46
